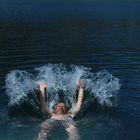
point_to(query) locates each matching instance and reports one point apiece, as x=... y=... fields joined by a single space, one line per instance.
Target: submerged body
x=60 y=116
x=65 y=122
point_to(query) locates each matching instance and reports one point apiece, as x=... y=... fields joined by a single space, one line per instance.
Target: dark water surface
x=110 y=40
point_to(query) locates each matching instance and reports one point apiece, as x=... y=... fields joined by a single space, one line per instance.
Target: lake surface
x=100 y=36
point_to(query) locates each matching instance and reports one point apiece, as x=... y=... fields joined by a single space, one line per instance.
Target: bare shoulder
x=71 y=114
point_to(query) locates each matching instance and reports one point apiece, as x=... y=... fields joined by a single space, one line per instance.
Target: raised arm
x=80 y=99
x=43 y=104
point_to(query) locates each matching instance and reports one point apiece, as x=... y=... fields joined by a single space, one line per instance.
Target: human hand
x=81 y=83
x=43 y=87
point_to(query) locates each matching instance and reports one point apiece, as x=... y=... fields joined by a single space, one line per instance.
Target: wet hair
x=55 y=107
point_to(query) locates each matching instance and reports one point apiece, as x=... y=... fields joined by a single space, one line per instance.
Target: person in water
x=60 y=116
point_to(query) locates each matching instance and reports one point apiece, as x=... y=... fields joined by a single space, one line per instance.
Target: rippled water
x=99 y=44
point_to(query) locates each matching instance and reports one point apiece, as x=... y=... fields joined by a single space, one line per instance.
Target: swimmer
x=60 y=116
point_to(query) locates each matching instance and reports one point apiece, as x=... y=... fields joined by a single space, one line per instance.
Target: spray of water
x=62 y=82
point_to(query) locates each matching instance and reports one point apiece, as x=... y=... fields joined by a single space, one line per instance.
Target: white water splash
x=18 y=85
x=62 y=81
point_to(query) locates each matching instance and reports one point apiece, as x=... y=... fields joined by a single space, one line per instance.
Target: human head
x=61 y=108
